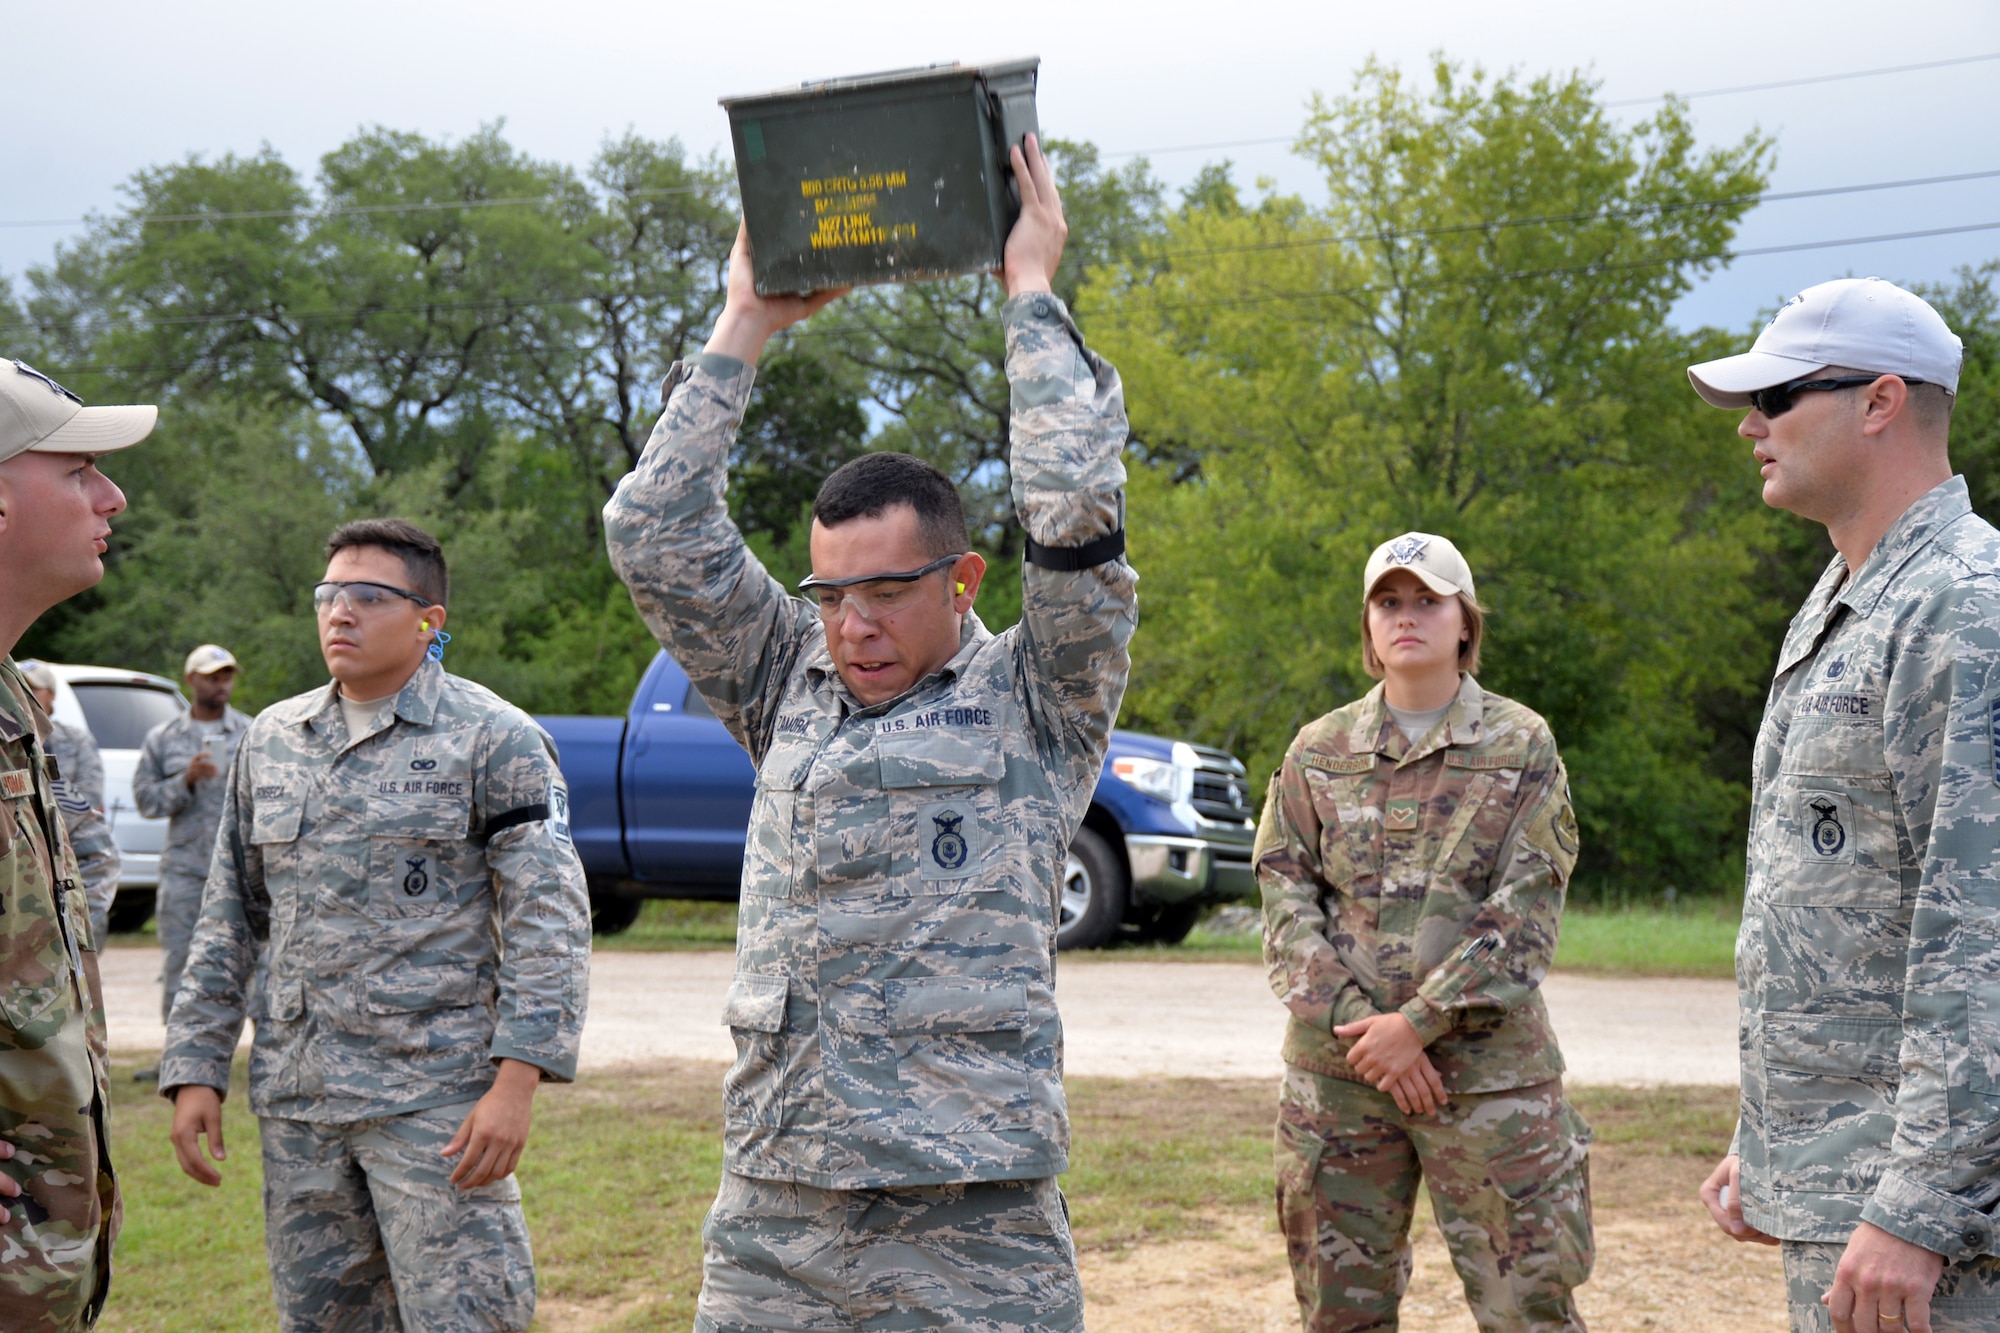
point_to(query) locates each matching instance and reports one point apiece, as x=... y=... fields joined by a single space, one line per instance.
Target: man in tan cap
x=80 y=793
x=180 y=778
x=59 y=1205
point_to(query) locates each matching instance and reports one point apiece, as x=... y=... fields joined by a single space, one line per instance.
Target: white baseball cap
x=39 y=415
x=208 y=659
x=1430 y=557
x=1859 y=323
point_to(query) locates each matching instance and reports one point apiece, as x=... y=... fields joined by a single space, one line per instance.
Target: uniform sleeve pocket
x=755 y=1003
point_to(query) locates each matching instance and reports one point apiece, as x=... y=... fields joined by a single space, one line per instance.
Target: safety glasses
x=361 y=598
x=873 y=596
x=1781 y=398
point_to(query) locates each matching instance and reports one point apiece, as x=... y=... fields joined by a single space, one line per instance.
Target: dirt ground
x=1660 y=1265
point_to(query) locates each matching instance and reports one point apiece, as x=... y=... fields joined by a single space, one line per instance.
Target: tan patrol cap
x=1430 y=557
x=38 y=675
x=208 y=659
x=40 y=415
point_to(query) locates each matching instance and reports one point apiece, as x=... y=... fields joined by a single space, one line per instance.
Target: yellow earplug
x=424 y=624
x=961 y=587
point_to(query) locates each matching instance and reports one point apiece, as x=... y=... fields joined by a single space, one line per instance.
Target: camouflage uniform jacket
x=79 y=791
x=1423 y=879
x=425 y=912
x=894 y=1000
x=55 y=1253
x=1869 y=959
x=160 y=790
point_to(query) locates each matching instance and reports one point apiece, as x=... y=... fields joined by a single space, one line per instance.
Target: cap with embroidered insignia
x=1430 y=557
x=39 y=415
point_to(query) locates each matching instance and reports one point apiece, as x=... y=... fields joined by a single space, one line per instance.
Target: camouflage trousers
x=993 y=1257
x=1509 y=1181
x=176 y=907
x=1967 y=1299
x=367 y=1234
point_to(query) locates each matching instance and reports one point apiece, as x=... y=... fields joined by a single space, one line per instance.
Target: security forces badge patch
x=1824 y=819
x=949 y=842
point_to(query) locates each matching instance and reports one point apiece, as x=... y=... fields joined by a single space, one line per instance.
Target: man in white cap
x=59 y=1205
x=1868 y=1142
x=180 y=777
x=80 y=793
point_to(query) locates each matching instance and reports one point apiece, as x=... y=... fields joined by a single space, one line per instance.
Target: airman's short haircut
x=867 y=486
x=418 y=550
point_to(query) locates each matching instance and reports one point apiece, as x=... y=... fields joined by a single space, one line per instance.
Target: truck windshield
x=121 y=715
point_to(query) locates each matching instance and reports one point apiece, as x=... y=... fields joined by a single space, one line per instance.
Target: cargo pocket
x=945 y=806
x=411 y=872
x=1544 y=1176
x=959 y=1045
x=427 y=1023
x=1830 y=1099
x=1978 y=946
x=754 y=1010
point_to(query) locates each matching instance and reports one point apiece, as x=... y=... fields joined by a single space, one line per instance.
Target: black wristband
x=1091 y=553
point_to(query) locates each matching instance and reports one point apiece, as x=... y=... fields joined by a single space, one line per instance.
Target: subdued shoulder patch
x=1496 y=759
x=1338 y=763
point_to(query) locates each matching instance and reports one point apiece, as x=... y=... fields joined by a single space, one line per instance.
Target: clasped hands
x=1388 y=1053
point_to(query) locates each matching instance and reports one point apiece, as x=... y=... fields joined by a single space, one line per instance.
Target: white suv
x=118 y=708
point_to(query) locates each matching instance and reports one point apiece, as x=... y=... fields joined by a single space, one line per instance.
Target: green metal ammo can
x=882 y=178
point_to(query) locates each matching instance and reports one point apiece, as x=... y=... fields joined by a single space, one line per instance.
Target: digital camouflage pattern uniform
x=55 y=1252
x=1869 y=959
x=1425 y=879
x=79 y=791
x=426 y=917
x=899 y=1066
x=160 y=790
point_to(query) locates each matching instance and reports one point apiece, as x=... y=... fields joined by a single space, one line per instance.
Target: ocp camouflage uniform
x=79 y=790
x=55 y=1252
x=1869 y=959
x=426 y=917
x=160 y=790
x=899 y=1066
x=1426 y=880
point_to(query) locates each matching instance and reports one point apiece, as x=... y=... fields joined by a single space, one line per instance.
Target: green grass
x=1695 y=939
x=621 y=1168
x=675 y=924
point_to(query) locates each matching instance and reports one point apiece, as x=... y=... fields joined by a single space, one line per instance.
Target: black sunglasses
x=1779 y=398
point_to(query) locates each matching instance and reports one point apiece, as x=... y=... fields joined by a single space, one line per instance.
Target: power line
x=1159 y=256
x=1123 y=316
x=351 y=210
x=1815 y=78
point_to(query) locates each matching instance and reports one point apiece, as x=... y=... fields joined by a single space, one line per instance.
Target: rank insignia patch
x=1402 y=814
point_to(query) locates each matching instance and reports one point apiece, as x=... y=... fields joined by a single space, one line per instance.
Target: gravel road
x=1124 y=1018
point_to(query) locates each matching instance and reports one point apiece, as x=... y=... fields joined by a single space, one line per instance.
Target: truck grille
x=1221 y=792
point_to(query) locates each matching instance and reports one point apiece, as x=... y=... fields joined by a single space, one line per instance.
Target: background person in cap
x=1869 y=1135
x=179 y=778
x=57 y=1193
x=80 y=793
x=400 y=837
x=1414 y=853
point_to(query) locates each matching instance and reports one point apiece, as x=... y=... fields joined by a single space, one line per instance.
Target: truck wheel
x=130 y=910
x=1171 y=924
x=612 y=912
x=1093 y=894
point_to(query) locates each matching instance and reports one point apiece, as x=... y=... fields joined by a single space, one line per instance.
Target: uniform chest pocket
x=768 y=850
x=1349 y=806
x=416 y=844
x=1836 y=837
x=944 y=807
x=38 y=976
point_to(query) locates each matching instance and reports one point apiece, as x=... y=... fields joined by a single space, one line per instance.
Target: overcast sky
x=95 y=91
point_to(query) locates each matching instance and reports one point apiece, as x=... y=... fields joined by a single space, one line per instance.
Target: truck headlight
x=1161 y=779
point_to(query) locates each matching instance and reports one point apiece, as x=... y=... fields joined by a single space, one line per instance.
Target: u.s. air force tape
x=1086 y=556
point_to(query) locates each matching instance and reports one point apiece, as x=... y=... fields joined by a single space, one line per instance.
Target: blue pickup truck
x=660 y=802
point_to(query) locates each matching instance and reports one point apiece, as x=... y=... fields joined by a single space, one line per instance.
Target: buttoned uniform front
x=426 y=917
x=1425 y=879
x=79 y=790
x=160 y=791
x=1869 y=959
x=55 y=1252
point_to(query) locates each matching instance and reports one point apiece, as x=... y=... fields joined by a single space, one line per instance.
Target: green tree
x=1468 y=337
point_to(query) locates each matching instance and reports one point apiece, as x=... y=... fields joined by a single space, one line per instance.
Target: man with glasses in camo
x=894 y=1122
x=400 y=837
x=1868 y=1143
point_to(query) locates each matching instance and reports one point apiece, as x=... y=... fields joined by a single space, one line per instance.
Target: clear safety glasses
x=361 y=599
x=874 y=597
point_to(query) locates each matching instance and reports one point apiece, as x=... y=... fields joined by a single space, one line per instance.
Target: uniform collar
x=17 y=713
x=1375 y=730
x=232 y=719
x=823 y=677
x=1920 y=524
x=416 y=702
